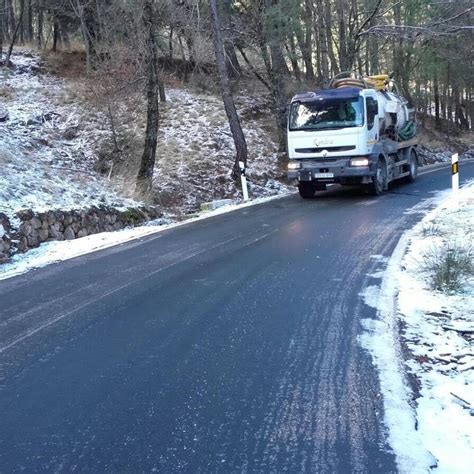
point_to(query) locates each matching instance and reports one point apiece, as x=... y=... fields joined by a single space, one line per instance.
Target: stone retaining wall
x=39 y=227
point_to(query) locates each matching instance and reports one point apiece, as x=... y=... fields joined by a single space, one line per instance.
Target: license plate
x=324 y=175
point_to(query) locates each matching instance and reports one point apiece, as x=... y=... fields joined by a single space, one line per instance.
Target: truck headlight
x=294 y=165
x=360 y=162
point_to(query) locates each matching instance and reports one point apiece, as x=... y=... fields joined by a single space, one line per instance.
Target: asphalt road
x=225 y=345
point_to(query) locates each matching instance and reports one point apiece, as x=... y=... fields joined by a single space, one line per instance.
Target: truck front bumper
x=333 y=171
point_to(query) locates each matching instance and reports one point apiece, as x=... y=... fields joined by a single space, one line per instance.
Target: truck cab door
x=371 y=107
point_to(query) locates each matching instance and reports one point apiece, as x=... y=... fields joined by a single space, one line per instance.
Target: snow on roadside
x=440 y=432
x=58 y=251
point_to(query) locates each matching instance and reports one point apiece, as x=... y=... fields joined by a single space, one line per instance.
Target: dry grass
x=448 y=267
x=66 y=64
x=6 y=93
x=431 y=137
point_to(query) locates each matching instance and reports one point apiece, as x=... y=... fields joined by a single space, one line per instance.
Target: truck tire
x=306 y=190
x=377 y=186
x=412 y=167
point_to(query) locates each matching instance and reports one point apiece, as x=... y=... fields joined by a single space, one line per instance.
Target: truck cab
x=334 y=137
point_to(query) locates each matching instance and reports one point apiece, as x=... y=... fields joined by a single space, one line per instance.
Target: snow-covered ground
x=196 y=150
x=436 y=329
x=56 y=131
x=46 y=150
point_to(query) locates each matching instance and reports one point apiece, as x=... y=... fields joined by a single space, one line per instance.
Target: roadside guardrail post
x=455 y=171
x=244 y=180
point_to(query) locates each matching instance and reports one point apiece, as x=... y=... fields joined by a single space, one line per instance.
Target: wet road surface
x=225 y=345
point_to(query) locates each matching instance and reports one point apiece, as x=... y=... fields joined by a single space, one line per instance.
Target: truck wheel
x=377 y=185
x=412 y=167
x=306 y=190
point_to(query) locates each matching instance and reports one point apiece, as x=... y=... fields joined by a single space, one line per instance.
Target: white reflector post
x=455 y=171
x=243 y=178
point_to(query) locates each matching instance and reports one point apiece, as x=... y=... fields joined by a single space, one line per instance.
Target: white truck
x=351 y=134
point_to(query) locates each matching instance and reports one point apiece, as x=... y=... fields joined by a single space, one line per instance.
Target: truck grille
x=318 y=161
x=328 y=148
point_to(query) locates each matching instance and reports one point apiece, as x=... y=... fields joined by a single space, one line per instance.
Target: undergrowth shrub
x=449 y=267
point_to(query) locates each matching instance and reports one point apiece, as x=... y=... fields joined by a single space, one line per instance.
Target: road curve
x=226 y=345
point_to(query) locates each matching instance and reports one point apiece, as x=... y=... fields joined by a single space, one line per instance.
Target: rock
x=47 y=117
x=33 y=239
x=42 y=216
x=4 y=115
x=36 y=228
x=5 y=245
x=22 y=243
x=70 y=133
x=36 y=223
x=92 y=220
x=36 y=120
x=51 y=218
x=43 y=235
x=25 y=228
x=4 y=221
x=40 y=119
x=25 y=215
x=69 y=233
x=55 y=234
x=56 y=228
x=82 y=233
x=209 y=206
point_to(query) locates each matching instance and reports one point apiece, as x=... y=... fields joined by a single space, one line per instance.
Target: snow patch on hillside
x=196 y=150
x=54 y=135
x=45 y=157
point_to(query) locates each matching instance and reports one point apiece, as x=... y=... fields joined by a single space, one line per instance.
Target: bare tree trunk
x=15 y=34
x=22 y=26
x=293 y=58
x=460 y=117
x=328 y=27
x=161 y=90
x=323 y=43
x=398 y=47
x=436 y=100
x=170 y=44
x=232 y=63
x=39 y=23
x=278 y=92
x=443 y=101
x=227 y=97
x=55 y=33
x=145 y=173
x=305 y=40
x=341 y=10
x=2 y=28
x=29 y=26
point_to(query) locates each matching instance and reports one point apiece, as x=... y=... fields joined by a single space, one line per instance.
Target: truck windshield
x=326 y=114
